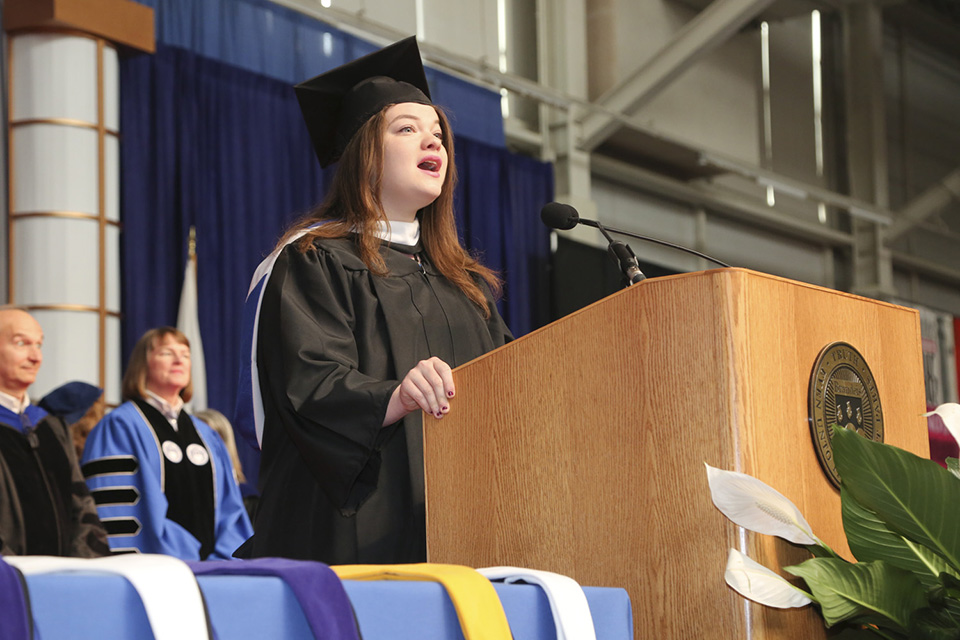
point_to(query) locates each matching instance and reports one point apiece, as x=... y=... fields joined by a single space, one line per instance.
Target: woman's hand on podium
x=428 y=386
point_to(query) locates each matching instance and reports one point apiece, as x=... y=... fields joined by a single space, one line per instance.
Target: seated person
x=163 y=480
x=45 y=507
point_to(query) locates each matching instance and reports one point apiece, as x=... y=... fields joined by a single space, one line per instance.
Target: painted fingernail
x=439 y=414
x=444 y=409
x=449 y=394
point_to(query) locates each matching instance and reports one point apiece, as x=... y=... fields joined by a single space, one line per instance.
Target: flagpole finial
x=192 y=242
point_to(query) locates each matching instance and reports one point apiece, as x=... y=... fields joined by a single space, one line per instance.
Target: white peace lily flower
x=750 y=503
x=949 y=412
x=754 y=581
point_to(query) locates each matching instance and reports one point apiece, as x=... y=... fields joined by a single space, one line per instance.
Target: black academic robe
x=45 y=506
x=334 y=342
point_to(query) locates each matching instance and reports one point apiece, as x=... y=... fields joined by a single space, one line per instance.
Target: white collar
x=405 y=233
x=17 y=406
x=169 y=410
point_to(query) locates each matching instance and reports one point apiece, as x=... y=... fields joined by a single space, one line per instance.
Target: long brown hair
x=353 y=206
x=134 y=383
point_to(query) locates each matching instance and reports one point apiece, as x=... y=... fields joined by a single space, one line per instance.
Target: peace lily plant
x=901 y=517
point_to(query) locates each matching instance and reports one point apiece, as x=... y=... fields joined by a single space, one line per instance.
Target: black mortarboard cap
x=71 y=400
x=337 y=103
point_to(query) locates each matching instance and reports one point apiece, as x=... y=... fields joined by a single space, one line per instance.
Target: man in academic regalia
x=45 y=506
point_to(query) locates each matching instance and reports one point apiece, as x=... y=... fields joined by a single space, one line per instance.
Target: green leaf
x=862 y=633
x=870 y=539
x=953 y=466
x=821 y=551
x=940 y=620
x=937 y=622
x=950 y=581
x=946 y=594
x=846 y=591
x=914 y=497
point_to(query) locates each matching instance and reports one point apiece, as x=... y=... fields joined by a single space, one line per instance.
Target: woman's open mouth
x=430 y=164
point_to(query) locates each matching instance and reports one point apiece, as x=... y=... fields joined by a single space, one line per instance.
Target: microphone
x=563 y=216
x=628 y=262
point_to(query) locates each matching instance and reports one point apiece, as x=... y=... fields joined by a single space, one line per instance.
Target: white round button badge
x=172 y=451
x=197 y=454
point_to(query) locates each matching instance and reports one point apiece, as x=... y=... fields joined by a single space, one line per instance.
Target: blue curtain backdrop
x=283 y=44
x=225 y=150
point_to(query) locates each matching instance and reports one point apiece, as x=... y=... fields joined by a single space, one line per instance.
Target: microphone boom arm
x=629 y=234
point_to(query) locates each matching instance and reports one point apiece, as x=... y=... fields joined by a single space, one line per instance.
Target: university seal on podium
x=844 y=393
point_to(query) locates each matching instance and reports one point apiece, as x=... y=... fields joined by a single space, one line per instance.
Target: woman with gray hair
x=163 y=481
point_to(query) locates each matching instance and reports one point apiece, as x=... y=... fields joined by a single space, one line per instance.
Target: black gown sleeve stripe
x=121 y=526
x=116 y=496
x=110 y=466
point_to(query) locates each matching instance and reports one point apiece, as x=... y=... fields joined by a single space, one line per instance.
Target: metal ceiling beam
x=859 y=209
x=707 y=30
x=925 y=205
x=927 y=268
x=719 y=201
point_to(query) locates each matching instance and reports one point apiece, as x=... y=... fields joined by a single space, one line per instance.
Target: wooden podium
x=580 y=448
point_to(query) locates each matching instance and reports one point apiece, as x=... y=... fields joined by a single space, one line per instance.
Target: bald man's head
x=21 y=339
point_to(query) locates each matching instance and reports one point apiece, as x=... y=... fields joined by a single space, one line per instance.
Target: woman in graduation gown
x=163 y=480
x=370 y=302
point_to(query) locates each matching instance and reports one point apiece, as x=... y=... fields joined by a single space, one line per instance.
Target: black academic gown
x=334 y=342
x=45 y=506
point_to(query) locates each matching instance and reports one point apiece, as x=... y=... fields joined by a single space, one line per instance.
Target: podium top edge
x=720 y=274
x=732 y=272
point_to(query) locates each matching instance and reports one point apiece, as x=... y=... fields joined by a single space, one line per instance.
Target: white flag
x=188 y=321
